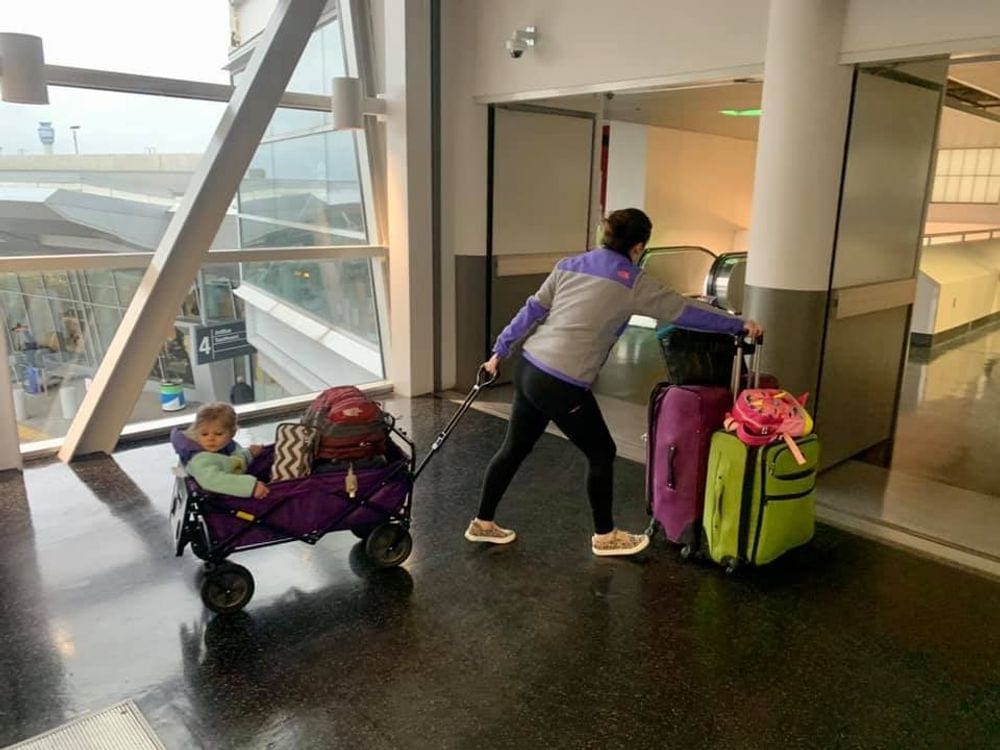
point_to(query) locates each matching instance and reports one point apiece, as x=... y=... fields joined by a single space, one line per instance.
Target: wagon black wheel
x=388 y=545
x=227 y=588
x=363 y=532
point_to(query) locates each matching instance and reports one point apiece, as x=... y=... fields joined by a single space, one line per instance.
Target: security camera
x=519 y=42
x=515 y=47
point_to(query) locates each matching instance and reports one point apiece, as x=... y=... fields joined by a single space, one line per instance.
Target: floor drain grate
x=120 y=727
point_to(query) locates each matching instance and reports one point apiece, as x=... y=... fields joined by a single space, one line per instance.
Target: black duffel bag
x=697 y=357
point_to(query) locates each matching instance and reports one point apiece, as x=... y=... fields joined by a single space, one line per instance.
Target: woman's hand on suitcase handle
x=255 y=450
x=260 y=490
x=753 y=330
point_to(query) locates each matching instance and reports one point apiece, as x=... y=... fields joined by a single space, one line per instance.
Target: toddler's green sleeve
x=212 y=472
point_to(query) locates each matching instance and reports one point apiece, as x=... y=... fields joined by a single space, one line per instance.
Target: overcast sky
x=173 y=38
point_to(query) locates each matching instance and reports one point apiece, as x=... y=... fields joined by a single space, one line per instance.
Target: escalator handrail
x=671 y=249
x=720 y=261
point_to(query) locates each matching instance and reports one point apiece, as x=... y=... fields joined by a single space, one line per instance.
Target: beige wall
x=961 y=130
x=698 y=188
x=585 y=45
x=588 y=44
x=964 y=285
x=894 y=29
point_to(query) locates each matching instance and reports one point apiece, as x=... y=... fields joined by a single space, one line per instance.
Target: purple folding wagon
x=377 y=510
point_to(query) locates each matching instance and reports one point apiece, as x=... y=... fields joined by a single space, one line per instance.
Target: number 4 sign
x=222 y=341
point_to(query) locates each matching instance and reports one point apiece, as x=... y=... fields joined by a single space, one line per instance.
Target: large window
x=340 y=294
x=110 y=180
x=303 y=191
x=286 y=305
x=134 y=37
x=967 y=175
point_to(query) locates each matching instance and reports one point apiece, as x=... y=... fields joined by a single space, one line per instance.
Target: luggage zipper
x=743 y=542
x=794 y=496
x=788 y=477
x=793 y=476
x=764 y=499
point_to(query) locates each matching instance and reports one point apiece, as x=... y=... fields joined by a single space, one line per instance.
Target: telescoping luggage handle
x=743 y=344
x=483 y=379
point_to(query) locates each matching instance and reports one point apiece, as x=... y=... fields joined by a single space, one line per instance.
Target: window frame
x=369 y=154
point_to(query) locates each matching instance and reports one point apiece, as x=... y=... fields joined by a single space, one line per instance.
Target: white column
x=800 y=149
x=797 y=184
x=10 y=447
x=627 y=158
x=408 y=171
x=184 y=247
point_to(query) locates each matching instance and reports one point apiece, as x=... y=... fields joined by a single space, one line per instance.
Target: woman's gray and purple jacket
x=585 y=305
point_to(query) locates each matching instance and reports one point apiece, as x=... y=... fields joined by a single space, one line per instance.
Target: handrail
x=676 y=249
x=969 y=235
x=104 y=261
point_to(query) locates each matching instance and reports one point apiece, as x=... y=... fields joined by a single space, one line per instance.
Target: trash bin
x=20 y=404
x=69 y=400
x=33 y=380
x=172 y=396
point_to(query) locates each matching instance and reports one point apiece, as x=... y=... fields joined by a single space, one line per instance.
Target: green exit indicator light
x=740 y=112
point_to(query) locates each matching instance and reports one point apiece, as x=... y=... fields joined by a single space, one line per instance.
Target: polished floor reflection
x=847 y=644
x=949 y=420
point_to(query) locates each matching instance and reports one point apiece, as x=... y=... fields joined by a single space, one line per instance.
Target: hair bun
x=626 y=228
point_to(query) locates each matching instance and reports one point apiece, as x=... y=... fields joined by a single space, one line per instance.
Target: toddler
x=211 y=456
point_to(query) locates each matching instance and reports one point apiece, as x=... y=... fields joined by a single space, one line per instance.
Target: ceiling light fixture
x=22 y=69
x=740 y=112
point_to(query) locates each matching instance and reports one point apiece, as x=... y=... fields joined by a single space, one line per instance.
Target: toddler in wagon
x=211 y=456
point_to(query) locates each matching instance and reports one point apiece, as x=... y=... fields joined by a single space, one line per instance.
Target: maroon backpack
x=351 y=426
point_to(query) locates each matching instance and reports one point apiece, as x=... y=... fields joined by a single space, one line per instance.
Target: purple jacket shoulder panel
x=602 y=263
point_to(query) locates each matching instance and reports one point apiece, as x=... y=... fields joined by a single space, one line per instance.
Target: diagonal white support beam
x=184 y=246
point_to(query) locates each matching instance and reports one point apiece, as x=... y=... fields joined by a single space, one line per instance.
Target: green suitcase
x=758 y=501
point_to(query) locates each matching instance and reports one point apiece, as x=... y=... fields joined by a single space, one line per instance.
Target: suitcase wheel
x=686 y=552
x=731 y=565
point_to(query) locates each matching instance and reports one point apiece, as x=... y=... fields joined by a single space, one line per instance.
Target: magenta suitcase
x=682 y=419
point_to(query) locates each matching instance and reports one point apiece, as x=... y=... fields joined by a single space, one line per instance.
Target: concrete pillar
x=408 y=170
x=800 y=160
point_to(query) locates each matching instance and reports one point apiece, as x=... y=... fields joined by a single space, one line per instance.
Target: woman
x=570 y=325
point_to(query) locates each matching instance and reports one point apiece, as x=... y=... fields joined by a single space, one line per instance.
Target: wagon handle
x=483 y=379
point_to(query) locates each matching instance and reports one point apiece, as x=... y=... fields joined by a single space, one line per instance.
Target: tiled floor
x=944 y=484
x=949 y=421
x=848 y=643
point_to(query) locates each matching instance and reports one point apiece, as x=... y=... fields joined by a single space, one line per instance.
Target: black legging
x=538 y=399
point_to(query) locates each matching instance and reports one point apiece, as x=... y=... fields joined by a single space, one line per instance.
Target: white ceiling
x=698 y=109
x=984 y=76
x=694 y=109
